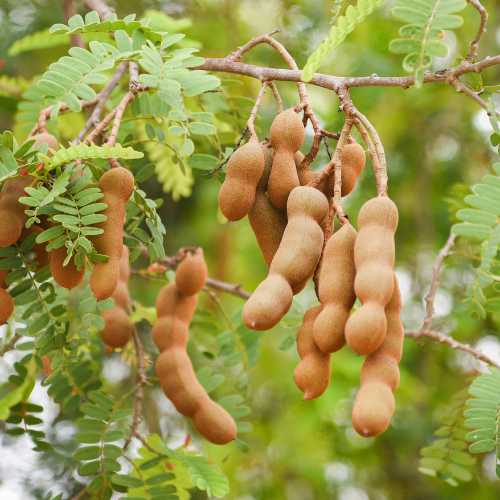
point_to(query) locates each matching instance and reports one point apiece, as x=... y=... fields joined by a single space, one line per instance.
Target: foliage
x=428 y=19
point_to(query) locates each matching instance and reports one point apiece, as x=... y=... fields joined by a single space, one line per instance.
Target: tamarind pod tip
x=104 y=279
x=66 y=276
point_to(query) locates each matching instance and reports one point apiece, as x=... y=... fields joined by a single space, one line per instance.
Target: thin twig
x=482 y=30
x=327 y=147
x=99 y=129
x=431 y=296
x=277 y=97
x=80 y=494
x=328 y=230
x=10 y=345
x=369 y=144
x=127 y=98
x=103 y=96
x=253 y=114
x=450 y=341
x=229 y=157
x=463 y=89
x=229 y=288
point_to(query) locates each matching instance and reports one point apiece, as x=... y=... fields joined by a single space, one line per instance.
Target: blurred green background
x=433 y=138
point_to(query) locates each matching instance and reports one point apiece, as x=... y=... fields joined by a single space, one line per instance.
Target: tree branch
x=10 y=345
x=450 y=341
x=482 y=30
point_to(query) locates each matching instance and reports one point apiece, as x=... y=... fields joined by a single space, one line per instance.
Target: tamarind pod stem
x=293 y=263
x=191 y=275
x=116 y=185
x=374 y=283
x=336 y=290
x=287 y=136
x=244 y=169
x=118 y=328
x=6 y=306
x=268 y=222
x=379 y=378
x=312 y=374
x=66 y=276
x=12 y=216
x=180 y=385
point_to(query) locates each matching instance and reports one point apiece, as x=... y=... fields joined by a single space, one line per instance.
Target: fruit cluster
x=290 y=226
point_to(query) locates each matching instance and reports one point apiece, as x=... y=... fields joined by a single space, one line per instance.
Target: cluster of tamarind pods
x=107 y=279
x=289 y=225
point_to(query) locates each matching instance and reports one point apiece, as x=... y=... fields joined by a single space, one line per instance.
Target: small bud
x=169 y=466
x=107 y=350
x=188 y=440
x=39 y=166
x=24 y=172
x=46 y=366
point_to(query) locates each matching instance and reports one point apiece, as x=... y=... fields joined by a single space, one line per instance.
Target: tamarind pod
x=192 y=273
x=175 y=311
x=47 y=138
x=180 y=385
x=42 y=256
x=268 y=222
x=287 y=136
x=6 y=306
x=116 y=185
x=353 y=160
x=374 y=283
x=118 y=328
x=312 y=374
x=237 y=193
x=336 y=290
x=67 y=276
x=374 y=405
x=12 y=216
x=171 y=302
x=297 y=257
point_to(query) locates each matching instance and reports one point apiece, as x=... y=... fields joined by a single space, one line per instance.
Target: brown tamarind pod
x=116 y=185
x=6 y=306
x=374 y=283
x=47 y=138
x=297 y=257
x=67 y=276
x=179 y=383
x=191 y=275
x=12 y=216
x=353 y=160
x=268 y=222
x=336 y=290
x=237 y=193
x=175 y=370
x=175 y=311
x=374 y=405
x=42 y=256
x=117 y=325
x=287 y=136
x=312 y=374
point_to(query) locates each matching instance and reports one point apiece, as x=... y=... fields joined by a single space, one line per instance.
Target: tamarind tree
x=135 y=139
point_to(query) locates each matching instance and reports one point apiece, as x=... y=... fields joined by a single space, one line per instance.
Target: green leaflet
x=445 y=458
x=484 y=413
x=421 y=37
x=481 y=223
x=345 y=24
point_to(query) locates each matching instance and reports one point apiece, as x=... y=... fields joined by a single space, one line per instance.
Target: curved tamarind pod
x=287 y=136
x=117 y=325
x=42 y=256
x=294 y=262
x=192 y=273
x=237 y=193
x=116 y=185
x=374 y=283
x=6 y=306
x=268 y=222
x=175 y=311
x=312 y=374
x=12 y=216
x=336 y=290
x=179 y=383
x=374 y=405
